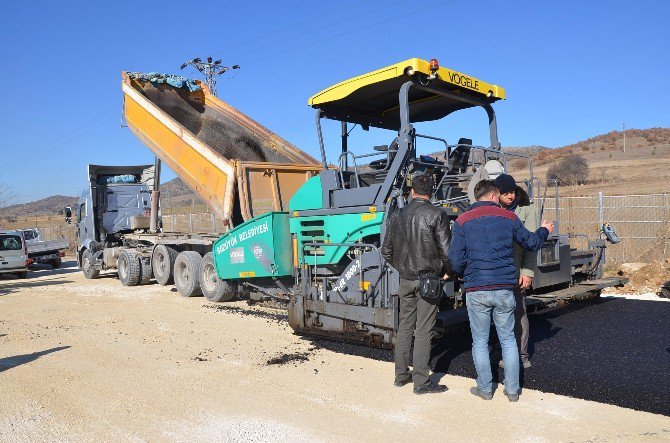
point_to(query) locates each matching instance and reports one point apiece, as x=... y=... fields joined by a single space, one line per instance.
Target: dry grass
x=641 y=170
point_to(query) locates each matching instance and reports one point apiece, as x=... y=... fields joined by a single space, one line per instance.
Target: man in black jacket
x=417 y=243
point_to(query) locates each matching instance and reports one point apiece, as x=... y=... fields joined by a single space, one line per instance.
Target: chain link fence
x=642 y=222
x=189 y=215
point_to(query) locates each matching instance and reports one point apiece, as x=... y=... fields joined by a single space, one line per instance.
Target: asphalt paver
x=609 y=350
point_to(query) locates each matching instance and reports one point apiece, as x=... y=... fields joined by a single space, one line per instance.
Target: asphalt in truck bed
x=609 y=350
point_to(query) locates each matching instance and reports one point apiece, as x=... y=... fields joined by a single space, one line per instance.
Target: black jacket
x=417 y=240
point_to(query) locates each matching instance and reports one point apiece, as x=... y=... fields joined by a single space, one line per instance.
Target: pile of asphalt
x=267 y=314
x=286 y=358
x=610 y=350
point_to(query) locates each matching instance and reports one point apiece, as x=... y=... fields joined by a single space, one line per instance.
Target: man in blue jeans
x=482 y=250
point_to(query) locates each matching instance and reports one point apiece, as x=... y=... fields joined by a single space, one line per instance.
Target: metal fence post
x=601 y=210
x=190 y=217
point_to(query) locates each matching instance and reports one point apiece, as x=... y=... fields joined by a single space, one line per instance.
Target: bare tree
x=6 y=195
x=569 y=171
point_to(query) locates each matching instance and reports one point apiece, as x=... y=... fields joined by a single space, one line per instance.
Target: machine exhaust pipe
x=155 y=198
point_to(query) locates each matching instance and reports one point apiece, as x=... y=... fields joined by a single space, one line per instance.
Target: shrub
x=569 y=171
x=519 y=164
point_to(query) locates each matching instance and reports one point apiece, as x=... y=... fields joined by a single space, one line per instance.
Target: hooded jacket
x=525 y=261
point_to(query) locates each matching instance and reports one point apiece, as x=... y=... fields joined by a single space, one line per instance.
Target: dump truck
x=237 y=166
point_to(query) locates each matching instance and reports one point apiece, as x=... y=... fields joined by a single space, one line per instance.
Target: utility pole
x=624 y=138
x=210 y=69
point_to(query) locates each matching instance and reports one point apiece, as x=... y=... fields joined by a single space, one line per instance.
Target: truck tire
x=22 y=275
x=162 y=263
x=213 y=288
x=87 y=267
x=56 y=262
x=146 y=273
x=187 y=273
x=129 y=268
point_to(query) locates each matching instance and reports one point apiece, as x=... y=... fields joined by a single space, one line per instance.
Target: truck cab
x=117 y=202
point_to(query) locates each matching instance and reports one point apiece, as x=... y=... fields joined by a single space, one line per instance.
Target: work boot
x=525 y=362
x=401 y=383
x=430 y=388
x=511 y=397
x=481 y=394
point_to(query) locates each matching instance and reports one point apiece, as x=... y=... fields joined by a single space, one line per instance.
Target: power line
x=65 y=144
x=319 y=28
x=51 y=154
x=43 y=148
x=58 y=147
x=372 y=25
x=292 y=26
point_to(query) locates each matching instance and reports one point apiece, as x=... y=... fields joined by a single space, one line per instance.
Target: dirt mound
x=653 y=277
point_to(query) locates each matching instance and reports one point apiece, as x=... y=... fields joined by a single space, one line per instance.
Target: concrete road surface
x=84 y=360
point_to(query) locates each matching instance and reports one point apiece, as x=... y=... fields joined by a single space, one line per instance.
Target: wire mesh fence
x=189 y=215
x=641 y=222
x=57 y=232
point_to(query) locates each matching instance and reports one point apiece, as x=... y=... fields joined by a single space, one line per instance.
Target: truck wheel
x=146 y=273
x=162 y=263
x=187 y=273
x=87 y=267
x=213 y=288
x=22 y=275
x=56 y=262
x=129 y=268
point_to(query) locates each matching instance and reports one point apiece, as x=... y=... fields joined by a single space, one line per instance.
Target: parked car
x=13 y=253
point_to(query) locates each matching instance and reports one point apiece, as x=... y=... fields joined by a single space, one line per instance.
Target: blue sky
x=571 y=69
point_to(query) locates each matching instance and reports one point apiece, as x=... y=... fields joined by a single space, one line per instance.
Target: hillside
x=46 y=206
x=174 y=194
x=643 y=169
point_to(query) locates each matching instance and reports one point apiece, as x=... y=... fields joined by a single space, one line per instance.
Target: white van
x=13 y=253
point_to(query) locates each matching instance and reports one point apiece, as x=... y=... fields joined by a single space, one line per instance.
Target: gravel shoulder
x=84 y=360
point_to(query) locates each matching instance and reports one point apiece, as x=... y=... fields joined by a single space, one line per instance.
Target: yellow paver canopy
x=372 y=98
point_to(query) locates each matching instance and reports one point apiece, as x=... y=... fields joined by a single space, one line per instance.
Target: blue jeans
x=499 y=304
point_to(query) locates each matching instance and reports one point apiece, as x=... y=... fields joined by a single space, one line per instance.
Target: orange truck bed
x=213 y=147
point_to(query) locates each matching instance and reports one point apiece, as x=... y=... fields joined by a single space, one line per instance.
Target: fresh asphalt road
x=609 y=350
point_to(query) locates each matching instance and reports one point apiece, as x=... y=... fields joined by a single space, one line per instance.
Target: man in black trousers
x=417 y=243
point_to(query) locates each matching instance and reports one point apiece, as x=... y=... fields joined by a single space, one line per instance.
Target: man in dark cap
x=482 y=251
x=515 y=199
